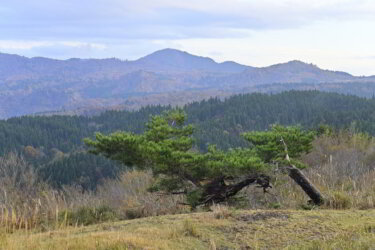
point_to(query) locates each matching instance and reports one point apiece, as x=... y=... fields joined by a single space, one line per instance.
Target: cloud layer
x=165 y=19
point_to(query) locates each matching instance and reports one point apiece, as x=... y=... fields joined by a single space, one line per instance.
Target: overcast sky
x=333 y=34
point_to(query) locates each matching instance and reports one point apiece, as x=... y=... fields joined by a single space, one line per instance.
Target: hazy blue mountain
x=33 y=85
x=176 y=60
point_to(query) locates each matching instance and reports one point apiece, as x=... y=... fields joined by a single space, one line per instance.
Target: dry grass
x=129 y=196
x=27 y=203
x=266 y=229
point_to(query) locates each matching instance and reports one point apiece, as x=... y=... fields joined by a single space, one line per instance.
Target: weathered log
x=305 y=184
x=302 y=180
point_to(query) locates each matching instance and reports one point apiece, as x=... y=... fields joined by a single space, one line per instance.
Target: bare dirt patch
x=262 y=216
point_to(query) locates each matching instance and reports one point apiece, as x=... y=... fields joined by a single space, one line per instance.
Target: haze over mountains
x=35 y=85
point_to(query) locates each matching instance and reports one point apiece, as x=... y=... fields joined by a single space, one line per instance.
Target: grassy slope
x=273 y=229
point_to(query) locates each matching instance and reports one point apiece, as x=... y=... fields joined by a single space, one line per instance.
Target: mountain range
x=169 y=76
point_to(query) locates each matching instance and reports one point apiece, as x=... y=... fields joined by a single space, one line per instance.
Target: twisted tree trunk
x=218 y=191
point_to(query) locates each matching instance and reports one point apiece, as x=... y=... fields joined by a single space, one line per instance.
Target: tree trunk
x=218 y=191
x=302 y=180
x=305 y=184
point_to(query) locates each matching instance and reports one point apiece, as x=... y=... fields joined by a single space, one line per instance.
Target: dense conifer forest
x=54 y=145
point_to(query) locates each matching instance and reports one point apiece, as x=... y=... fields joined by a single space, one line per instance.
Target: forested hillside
x=54 y=144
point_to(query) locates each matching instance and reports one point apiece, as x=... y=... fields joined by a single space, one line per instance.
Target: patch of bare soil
x=262 y=216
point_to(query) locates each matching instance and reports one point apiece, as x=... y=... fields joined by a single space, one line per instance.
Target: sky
x=333 y=34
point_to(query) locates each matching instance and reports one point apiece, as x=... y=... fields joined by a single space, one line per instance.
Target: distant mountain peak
x=173 y=54
x=298 y=62
x=295 y=63
x=169 y=51
x=176 y=60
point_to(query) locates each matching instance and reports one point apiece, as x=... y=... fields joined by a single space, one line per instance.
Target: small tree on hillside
x=166 y=147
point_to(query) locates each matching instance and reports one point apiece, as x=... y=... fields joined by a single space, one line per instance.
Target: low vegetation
x=240 y=229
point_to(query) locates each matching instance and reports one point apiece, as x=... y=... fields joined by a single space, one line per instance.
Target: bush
x=134 y=213
x=87 y=216
x=221 y=211
x=339 y=200
x=190 y=229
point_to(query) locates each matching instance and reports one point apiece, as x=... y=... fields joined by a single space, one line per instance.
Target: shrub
x=221 y=211
x=339 y=200
x=189 y=229
x=87 y=216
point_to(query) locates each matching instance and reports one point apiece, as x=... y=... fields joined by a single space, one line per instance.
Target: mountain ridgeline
x=53 y=145
x=86 y=86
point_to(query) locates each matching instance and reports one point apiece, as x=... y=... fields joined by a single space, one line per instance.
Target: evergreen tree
x=166 y=147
